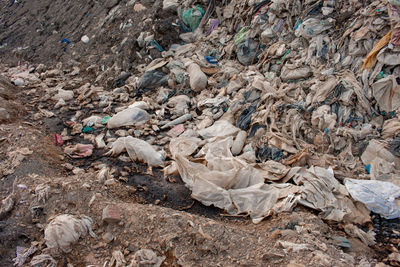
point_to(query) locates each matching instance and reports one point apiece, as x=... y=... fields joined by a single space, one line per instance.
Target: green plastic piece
x=241 y=35
x=87 y=129
x=192 y=17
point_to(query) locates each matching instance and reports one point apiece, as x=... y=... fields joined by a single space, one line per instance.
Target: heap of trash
x=261 y=106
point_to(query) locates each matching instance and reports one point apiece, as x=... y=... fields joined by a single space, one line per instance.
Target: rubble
x=111 y=214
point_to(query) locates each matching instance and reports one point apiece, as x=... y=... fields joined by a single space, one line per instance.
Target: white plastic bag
x=221 y=128
x=128 y=117
x=378 y=196
x=137 y=150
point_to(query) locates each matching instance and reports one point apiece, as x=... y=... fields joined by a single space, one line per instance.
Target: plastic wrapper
x=378 y=196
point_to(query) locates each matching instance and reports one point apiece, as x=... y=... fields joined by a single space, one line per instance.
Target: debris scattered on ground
x=260 y=109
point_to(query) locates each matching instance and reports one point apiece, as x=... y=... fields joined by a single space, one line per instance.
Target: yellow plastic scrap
x=370 y=60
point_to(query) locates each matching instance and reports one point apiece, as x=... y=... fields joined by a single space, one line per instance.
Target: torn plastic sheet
x=387 y=93
x=231 y=184
x=321 y=191
x=380 y=197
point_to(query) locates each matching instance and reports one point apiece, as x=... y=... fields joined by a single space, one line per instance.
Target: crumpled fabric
x=137 y=150
x=65 y=229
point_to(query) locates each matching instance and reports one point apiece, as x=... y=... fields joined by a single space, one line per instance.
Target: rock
x=198 y=80
x=108 y=237
x=111 y=214
x=85 y=39
x=18 y=82
x=4 y=115
x=139 y=7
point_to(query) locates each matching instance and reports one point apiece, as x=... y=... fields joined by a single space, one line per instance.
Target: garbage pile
x=262 y=106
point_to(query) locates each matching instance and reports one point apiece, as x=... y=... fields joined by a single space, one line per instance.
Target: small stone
x=4 y=115
x=78 y=171
x=111 y=214
x=109 y=182
x=139 y=7
x=108 y=237
x=85 y=39
x=157 y=202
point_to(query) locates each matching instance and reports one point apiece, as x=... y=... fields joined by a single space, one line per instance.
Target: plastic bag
x=244 y=119
x=312 y=27
x=137 y=150
x=221 y=128
x=65 y=230
x=387 y=93
x=394 y=14
x=247 y=52
x=395 y=146
x=241 y=35
x=146 y=258
x=383 y=165
x=378 y=196
x=128 y=117
x=321 y=191
x=192 y=17
x=391 y=128
x=152 y=79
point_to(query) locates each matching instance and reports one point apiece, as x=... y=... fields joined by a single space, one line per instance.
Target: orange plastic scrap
x=370 y=60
